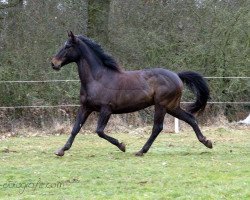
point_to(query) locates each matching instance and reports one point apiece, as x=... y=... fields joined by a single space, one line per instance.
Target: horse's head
x=67 y=54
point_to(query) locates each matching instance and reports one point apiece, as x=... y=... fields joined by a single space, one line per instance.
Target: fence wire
x=76 y=105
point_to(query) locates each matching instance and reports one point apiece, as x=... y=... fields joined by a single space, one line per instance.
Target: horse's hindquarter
x=168 y=88
x=165 y=86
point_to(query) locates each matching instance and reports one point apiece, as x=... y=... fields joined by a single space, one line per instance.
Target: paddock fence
x=176 y=121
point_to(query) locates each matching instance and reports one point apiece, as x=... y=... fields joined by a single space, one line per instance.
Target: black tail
x=198 y=86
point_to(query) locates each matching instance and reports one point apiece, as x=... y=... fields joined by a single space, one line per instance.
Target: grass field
x=176 y=167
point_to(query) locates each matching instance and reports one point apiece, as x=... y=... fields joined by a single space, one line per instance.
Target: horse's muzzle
x=55 y=67
x=56 y=64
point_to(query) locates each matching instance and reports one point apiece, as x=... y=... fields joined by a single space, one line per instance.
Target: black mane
x=107 y=60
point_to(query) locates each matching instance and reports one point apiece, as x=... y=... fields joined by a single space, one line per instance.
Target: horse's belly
x=131 y=101
x=129 y=109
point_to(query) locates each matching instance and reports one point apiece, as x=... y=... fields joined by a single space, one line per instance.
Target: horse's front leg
x=82 y=116
x=104 y=117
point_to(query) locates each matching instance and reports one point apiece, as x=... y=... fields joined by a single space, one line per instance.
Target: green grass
x=176 y=167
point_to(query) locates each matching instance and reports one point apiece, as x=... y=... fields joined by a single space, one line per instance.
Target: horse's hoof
x=122 y=147
x=208 y=144
x=139 y=153
x=59 y=152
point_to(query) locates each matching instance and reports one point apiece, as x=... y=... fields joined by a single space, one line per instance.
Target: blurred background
x=211 y=37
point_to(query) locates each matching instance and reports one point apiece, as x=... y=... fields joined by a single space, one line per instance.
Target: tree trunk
x=98 y=18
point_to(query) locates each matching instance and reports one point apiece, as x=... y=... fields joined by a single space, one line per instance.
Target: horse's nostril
x=55 y=67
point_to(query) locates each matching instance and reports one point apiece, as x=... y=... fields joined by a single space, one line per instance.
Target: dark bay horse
x=108 y=89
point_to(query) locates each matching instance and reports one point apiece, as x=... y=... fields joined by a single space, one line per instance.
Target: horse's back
x=158 y=79
x=161 y=77
x=154 y=73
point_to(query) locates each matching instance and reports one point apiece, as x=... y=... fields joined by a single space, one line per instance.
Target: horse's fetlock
x=202 y=139
x=100 y=133
x=66 y=147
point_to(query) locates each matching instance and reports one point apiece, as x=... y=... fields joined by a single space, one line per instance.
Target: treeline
x=208 y=36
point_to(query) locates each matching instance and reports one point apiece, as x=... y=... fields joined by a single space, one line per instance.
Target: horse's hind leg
x=82 y=116
x=190 y=119
x=105 y=114
x=157 y=128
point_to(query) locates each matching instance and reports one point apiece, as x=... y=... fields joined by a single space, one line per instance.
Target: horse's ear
x=72 y=36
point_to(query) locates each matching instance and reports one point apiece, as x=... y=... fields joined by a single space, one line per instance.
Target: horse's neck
x=89 y=66
x=84 y=71
x=89 y=56
x=88 y=73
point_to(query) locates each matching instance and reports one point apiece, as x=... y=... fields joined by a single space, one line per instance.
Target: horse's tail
x=197 y=84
